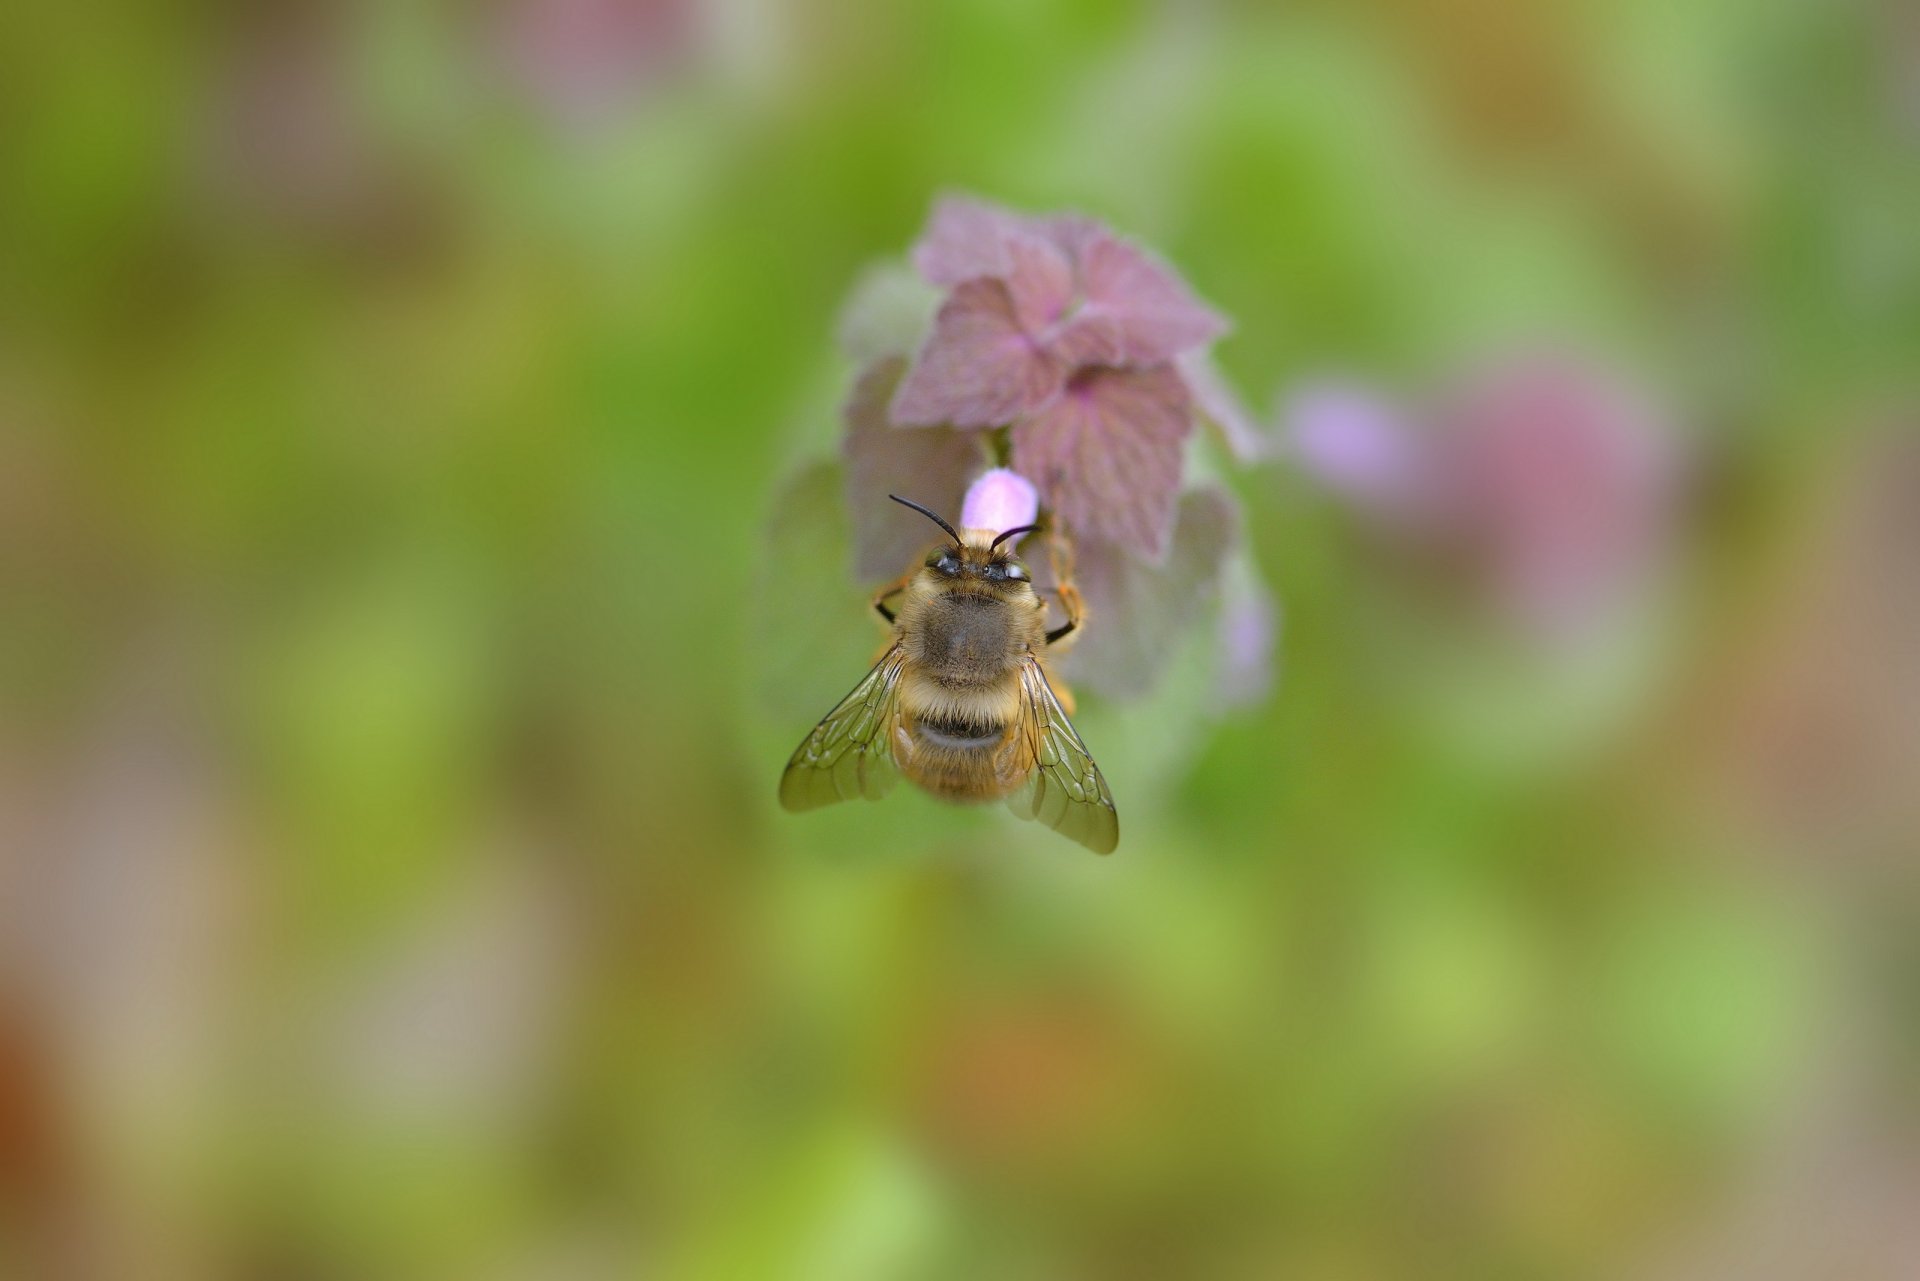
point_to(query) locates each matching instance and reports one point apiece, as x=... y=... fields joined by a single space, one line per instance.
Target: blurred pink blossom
x=585 y=59
x=1564 y=483
x=1358 y=444
x=1552 y=482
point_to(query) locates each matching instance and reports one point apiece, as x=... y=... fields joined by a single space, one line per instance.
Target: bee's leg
x=1060 y=550
x=1076 y=612
x=891 y=590
x=1073 y=607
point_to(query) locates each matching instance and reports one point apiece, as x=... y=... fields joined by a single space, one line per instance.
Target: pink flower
x=1550 y=482
x=1564 y=484
x=1060 y=331
x=585 y=60
x=1360 y=445
x=1053 y=378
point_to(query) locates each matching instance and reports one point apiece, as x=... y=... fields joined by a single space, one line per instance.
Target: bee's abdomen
x=958 y=735
x=960 y=760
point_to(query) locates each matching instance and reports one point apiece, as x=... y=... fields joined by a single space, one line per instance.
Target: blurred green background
x=396 y=668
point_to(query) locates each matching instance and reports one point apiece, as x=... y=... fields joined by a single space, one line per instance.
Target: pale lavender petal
x=1249 y=631
x=965 y=240
x=927 y=464
x=1134 y=310
x=807 y=617
x=889 y=313
x=1000 y=500
x=1221 y=405
x=1107 y=453
x=1358 y=444
x=979 y=368
x=1138 y=612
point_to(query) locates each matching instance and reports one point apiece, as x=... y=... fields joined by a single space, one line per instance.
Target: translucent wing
x=848 y=753
x=1065 y=791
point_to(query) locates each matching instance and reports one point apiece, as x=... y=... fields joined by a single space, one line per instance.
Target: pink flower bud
x=1000 y=500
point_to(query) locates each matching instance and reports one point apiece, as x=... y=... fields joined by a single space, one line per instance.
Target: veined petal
x=978 y=368
x=1040 y=278
x=927 y=464
x=1106 y=453
x=1134 y=310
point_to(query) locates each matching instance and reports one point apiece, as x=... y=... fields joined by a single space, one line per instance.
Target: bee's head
x=978 y=562
x=977 y=559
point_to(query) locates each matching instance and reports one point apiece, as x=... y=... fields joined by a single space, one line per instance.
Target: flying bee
x=961 y=702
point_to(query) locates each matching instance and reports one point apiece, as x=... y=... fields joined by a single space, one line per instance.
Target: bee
x=961 y=702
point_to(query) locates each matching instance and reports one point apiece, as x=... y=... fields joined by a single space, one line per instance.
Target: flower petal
x=806 y=619
x=965 y=240
x=1566 y=480
x=1000 y=500
x=927 y=464
x=979 y=368
x=1040 y=278
x=1071 y=232
x=1135 y=311
x=889 y=313
x=1249 y=629
x=1221 y=405
x=1106 y=453
x=1357 y=443
x=1138 y=612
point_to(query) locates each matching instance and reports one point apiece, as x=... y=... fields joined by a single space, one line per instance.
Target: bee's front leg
x=880 y=598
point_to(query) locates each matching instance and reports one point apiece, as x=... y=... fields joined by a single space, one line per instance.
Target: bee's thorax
x=967 y=635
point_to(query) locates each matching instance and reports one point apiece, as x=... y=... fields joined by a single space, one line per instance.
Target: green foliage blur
x=400 y=643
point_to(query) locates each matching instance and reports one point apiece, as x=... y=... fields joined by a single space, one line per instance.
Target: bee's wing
x=849 y=753
x=1065 y=790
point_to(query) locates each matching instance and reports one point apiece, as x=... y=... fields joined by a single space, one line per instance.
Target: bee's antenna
x=1005 y=534
x=908 y=502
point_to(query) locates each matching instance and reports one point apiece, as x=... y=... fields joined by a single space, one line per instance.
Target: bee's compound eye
x=1017 y=572
x=945 y=564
